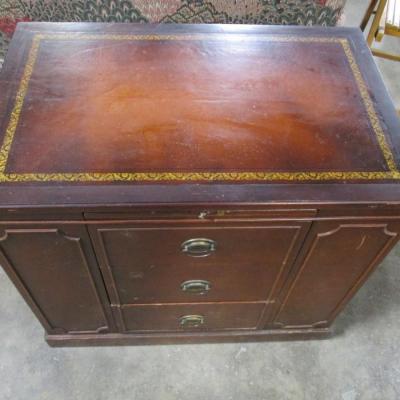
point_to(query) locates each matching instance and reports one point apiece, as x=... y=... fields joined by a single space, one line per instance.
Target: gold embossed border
x=393 y=172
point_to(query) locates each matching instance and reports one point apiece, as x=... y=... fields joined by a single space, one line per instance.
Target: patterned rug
x=276 y=12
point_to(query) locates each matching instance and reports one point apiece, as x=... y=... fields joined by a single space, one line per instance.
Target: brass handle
x=191 y=321
x=196 y=286
x=198 y=247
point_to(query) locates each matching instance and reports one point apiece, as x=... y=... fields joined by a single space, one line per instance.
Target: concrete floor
x=361 y=362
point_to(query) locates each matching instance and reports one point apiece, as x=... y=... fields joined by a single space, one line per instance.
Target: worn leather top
x=131 y=104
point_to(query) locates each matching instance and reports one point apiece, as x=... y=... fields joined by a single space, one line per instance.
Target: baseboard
x=119 y=339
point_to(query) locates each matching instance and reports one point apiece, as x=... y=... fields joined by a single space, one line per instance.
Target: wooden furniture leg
x=368 y=13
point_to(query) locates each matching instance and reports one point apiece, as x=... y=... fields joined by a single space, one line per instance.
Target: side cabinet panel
x=53 y=269
x=337 y=258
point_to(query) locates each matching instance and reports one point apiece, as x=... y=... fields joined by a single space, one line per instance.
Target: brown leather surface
x=192 y=105
x=199 y=113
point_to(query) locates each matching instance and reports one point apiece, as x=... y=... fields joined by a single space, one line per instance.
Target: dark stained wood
x=146 y=264
x=54 y=270
x=338 y=258
x=217 y=316
x=202 y=214
x=119 y=142
x=118 y=339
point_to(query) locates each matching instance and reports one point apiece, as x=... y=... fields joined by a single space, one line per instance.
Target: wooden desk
x=188 y=183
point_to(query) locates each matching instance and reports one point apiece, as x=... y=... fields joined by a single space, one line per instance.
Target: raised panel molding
x=37 y=295
x=337 y=262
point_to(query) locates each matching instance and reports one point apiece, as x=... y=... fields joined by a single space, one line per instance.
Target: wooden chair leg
x=376 y=21
x=368 y=14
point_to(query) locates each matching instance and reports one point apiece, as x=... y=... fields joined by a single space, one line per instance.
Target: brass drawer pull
x=196 y=286
x=191 y=321
x=198 y=247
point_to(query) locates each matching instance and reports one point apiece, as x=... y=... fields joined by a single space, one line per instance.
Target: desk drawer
x=190 y=317
x=143 y=265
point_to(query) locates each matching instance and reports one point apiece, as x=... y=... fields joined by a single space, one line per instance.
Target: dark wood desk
x=193 y=183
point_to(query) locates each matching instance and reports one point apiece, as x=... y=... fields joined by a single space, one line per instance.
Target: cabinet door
x=55 y=271
x=337 y=258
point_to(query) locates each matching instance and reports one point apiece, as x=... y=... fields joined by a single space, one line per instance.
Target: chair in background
x=386 y=21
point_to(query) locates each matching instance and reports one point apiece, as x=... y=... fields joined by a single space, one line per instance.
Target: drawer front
x=189 y=317
x=145 y=265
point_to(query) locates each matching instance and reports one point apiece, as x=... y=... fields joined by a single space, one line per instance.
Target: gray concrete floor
x=361 y=362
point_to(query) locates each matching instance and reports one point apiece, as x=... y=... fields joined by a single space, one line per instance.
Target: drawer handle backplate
x=191 y=321
x=198 y=247
x=196 y=286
